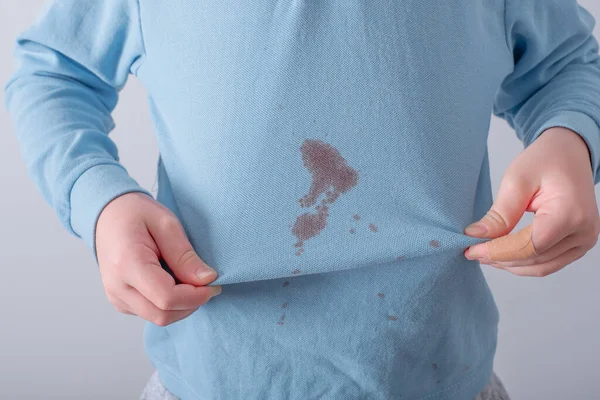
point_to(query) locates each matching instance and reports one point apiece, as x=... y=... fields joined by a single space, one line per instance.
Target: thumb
x=178 y=253
x=509 y=206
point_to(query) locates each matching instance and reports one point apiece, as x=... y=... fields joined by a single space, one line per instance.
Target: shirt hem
x=467 y=387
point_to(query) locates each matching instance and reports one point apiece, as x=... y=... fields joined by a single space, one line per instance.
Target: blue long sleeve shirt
x=324 y=157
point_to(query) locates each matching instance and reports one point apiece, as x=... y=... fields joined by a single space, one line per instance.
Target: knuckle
x=578 y=217
x=169 y=223
x=186 y=256
x=165 y=303
x=162 y=319
x=541 y=273
x=121 y=309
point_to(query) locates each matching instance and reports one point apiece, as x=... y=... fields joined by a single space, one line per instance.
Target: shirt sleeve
x=556 y=75
x=70 y=65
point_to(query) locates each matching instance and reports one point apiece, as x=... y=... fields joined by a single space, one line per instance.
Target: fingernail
x=203 y=273
x=476 y=229
x=475 y=253
x=215 y=290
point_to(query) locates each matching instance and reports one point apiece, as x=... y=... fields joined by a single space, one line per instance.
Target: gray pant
x=155 y=390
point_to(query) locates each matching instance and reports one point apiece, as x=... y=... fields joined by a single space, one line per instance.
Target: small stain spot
x=284 y=305
x=380 y=295
x=400 y=258
x=392 y=317
x=286 y=283
x=438 y=382
x=352 y=230
x=356 y=217
x=280 y=323
x=435 y=366
x=282 y=317
x=295 y=272
x=373 y=227
x=434 y=243
x=299 y=252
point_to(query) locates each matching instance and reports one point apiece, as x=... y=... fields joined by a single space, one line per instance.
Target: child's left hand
x=552 y=177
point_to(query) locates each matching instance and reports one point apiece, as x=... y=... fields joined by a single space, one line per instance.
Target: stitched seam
x=75 y=182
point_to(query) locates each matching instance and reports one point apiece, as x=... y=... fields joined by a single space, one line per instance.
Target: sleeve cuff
x=584 y=126
x=92 y=191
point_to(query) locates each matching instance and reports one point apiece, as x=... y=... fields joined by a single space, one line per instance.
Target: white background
x=60 y=338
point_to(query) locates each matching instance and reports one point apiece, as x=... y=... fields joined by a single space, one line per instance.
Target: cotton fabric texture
x=155 y=390
x=324 y=157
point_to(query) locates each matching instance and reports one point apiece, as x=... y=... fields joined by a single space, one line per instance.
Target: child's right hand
x=132 y=232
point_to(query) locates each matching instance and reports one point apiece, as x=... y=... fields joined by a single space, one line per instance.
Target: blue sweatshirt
x=324 y=157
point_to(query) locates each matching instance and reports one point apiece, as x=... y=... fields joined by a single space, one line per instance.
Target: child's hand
x=132 y=232
x=552 y=178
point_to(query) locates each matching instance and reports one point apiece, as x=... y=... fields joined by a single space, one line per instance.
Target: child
x=319 y=162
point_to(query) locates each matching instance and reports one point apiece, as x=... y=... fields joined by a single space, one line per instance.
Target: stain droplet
x=400 y=258
x=331 y=176
x=284 y=305
x=435 y=366
x=373 y=227
x=380 y=295
x=295 y=272
x=392 y=317
x=280 y=323
x=282 y=317
x=434 y=243
x=356 y=217
x=285 y=283
x=352 y=230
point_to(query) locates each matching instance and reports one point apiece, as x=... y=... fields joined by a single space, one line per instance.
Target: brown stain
x=295 y=272
x=331 y=176
x=392 y=317
x=285 y=283
x=284 y=305
x=434 y=243
x=356 y=217
x=380 y=295
x=373 y=227
x=352 y=230
x=280 y=322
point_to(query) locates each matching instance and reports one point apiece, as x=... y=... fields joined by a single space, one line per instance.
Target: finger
x=178 y=253
x=119 y=305
x=551 y=225
x=155 y=284
x=561 y=247
x=514 y=246
x=148 y=311
x=549 y=267
x=509 y=206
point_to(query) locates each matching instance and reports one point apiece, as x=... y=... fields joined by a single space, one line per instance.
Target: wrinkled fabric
x=155 y=390
x=323 y=157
